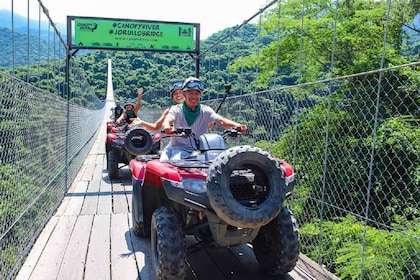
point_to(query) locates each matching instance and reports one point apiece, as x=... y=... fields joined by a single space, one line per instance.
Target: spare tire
x=245 y=187
x=138 y=141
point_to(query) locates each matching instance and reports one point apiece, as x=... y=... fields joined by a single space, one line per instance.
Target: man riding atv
x=195 y=115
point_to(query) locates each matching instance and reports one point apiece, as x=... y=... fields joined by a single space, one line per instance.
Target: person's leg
x=178 y=154
x=166 y=153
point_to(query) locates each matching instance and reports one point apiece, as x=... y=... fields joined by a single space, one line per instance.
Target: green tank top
x=130 y=114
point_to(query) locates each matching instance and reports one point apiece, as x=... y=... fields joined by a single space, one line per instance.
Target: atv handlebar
x=232 y=132
x=187 y=132
x=180 y=132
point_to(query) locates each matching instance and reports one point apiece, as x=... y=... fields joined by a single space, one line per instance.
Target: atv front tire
x=276 y=246
x=251 y=196
x=168 y=245
x=112 y=165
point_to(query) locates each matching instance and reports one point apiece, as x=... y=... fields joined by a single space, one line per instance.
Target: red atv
x=223 y=197
x=122 y=144
x=110 y=125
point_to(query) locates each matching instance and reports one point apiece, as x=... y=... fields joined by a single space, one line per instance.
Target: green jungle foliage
x=342 y=240
x=21 y=157
x=350 y=109
x=132 y=69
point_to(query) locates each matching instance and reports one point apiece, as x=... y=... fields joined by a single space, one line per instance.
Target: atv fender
x=147 y=189
x=163 y=170
x=138 y=169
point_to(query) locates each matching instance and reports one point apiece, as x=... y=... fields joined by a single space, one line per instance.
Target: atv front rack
x=185 y=163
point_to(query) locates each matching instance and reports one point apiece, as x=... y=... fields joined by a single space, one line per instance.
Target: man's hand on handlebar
x=179 y=131
x=168 y=130
x=241 y=128
x=234 y=131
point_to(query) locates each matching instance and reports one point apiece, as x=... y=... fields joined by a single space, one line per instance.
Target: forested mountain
x=154 y=70
x=18 y=52
x=131 y=69
x=20 y=24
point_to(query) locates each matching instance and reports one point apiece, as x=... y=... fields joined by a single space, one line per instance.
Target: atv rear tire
x=276 y=246
x=112 y=165
x=138 y=141
x=168 y=245
x=245 y=203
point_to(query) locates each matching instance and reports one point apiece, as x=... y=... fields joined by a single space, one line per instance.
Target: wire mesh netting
x=45 y=134
x=354 y=144
x=44 y=141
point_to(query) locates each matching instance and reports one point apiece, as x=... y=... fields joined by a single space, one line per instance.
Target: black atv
x=122 y=144
x=223 y=197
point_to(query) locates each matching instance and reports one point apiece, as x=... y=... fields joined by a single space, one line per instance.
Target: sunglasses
x=175 y=85
x=193 y=85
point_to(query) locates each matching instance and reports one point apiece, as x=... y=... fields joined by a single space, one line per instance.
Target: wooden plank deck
x=90 y=237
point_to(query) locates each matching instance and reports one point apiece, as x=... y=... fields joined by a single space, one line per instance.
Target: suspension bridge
x=352 y=139
x=91 y=237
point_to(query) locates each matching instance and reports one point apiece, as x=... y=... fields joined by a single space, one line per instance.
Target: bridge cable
x=255 y=85
x=327 y=124
x=217 y=43
x=374 y=137
x=276 y=66
x=233 y=31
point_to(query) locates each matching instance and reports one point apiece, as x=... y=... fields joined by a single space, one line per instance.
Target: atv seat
x=210 y=141
x=211 y=145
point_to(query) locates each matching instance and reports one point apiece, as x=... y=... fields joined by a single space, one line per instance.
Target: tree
x=352 y=34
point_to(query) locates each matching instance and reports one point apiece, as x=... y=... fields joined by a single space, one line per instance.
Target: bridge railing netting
x=354 y=144
x=44 y=140
x=45 y=135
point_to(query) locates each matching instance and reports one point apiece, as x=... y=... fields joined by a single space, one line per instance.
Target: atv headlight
x=290 y=179
x=194 y=185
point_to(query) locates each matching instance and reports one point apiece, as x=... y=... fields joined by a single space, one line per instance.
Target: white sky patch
x=213 y=16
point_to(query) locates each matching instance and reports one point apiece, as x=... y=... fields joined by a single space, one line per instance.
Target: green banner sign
x=134 y=35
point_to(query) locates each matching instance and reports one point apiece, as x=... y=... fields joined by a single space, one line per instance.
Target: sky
x=212 y=15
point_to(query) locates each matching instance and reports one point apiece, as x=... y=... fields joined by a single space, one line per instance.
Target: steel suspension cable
x=327 y=124
x=27 y=46
x=276 y=66
x=231 y=32
x=254 y=96
x=374 y=136
x=296 y=107
x=39 y=46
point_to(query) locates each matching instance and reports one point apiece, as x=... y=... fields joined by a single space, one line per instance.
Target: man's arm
x=226 y=123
